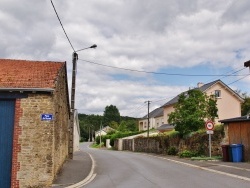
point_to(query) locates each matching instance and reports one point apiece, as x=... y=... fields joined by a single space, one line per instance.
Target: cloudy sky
x=148 y=50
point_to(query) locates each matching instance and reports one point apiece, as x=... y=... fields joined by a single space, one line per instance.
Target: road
x=120 y=169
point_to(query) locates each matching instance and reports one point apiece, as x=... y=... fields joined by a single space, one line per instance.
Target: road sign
x=46 y=117
x=209 y=125
x=210 y=132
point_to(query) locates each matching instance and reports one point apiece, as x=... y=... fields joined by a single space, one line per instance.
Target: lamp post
x=247 y=64
x=72 y=104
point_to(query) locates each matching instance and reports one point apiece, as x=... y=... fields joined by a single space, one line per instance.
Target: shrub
x=187 y=154
x=172 y=151
x=173 y=133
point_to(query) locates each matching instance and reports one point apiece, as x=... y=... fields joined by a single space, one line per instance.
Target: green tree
x=113 y=125
x=111 y=113
x=89 y=123
x=122 y=127
x=191 y=109
x=132 y=125
x=245 y=106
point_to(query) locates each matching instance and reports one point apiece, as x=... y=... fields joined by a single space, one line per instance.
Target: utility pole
x=72 y=106
x=100 y=134
x=148 y=116
x=89 y=134
x=148 y=126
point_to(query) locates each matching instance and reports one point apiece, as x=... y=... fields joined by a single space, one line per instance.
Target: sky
x=150 y=50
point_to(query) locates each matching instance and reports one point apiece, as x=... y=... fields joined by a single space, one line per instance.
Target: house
x=228 y=101
x=237 y=131
x=103 y=131
x=34 y=122
x=155 y=120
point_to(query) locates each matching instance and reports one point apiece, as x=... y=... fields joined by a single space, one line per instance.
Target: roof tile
x=28 y=74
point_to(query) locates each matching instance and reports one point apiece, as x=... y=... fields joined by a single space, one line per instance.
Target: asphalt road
x=119 y=169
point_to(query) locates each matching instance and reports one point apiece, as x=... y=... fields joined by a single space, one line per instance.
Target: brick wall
x=16 y=145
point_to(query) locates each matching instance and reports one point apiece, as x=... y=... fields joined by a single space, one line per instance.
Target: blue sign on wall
x=46 y=117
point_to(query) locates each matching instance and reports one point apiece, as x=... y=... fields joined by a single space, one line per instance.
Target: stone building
x=34 y=122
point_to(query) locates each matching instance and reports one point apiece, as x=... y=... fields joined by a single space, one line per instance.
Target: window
x=217 y=93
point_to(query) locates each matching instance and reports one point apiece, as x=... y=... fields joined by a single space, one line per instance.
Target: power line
x=139 y=107
x=238 y=80
x=160 y=73
x=62 y=26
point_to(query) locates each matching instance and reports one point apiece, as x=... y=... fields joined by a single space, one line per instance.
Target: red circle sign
x=209 y=125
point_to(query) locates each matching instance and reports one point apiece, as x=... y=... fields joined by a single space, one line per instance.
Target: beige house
x=155 y=120
x=228 y=101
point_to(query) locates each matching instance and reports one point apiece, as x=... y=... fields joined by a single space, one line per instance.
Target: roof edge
x=28 y=89
x=229 y=89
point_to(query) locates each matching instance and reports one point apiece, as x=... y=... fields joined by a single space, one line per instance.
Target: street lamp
x=72 y=104
x=247 y=64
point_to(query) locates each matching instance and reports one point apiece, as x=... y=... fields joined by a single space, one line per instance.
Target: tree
x=111 y=113
x=113 y=125
x=89 y=123
x=191 y=110
x=122 y=127
x=245 y=107
x=132 y=125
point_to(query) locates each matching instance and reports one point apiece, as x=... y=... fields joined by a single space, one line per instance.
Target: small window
x=217 y=93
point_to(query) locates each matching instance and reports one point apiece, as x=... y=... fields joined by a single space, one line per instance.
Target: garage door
x=7 y=113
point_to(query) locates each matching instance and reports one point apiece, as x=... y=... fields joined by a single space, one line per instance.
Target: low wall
x=161 y=144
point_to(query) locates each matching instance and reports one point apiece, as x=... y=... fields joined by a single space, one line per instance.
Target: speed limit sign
x=209 y=125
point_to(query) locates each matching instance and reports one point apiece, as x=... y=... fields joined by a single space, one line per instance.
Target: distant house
x=103 y=131
x=237 y=131
x=228 y=101
x=34 y=122
x=155 y=120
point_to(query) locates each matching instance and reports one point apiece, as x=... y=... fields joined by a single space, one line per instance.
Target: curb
x=203 y=168
x=88 y=179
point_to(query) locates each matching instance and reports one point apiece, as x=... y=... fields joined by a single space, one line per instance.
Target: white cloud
x=148 y=35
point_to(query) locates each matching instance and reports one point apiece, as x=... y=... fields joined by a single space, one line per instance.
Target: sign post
x=209 y=126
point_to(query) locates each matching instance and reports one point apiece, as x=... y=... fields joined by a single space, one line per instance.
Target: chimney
x=199 y=84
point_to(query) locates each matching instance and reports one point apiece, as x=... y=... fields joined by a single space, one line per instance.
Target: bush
x=219 y=128
x=172 y=151
x=82 y=139
x=173 y=133
x=187 y=154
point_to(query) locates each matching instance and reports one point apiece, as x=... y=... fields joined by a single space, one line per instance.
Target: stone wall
x=42 y=146
x=61 y=128
x=36 y=140
x=160 y=144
